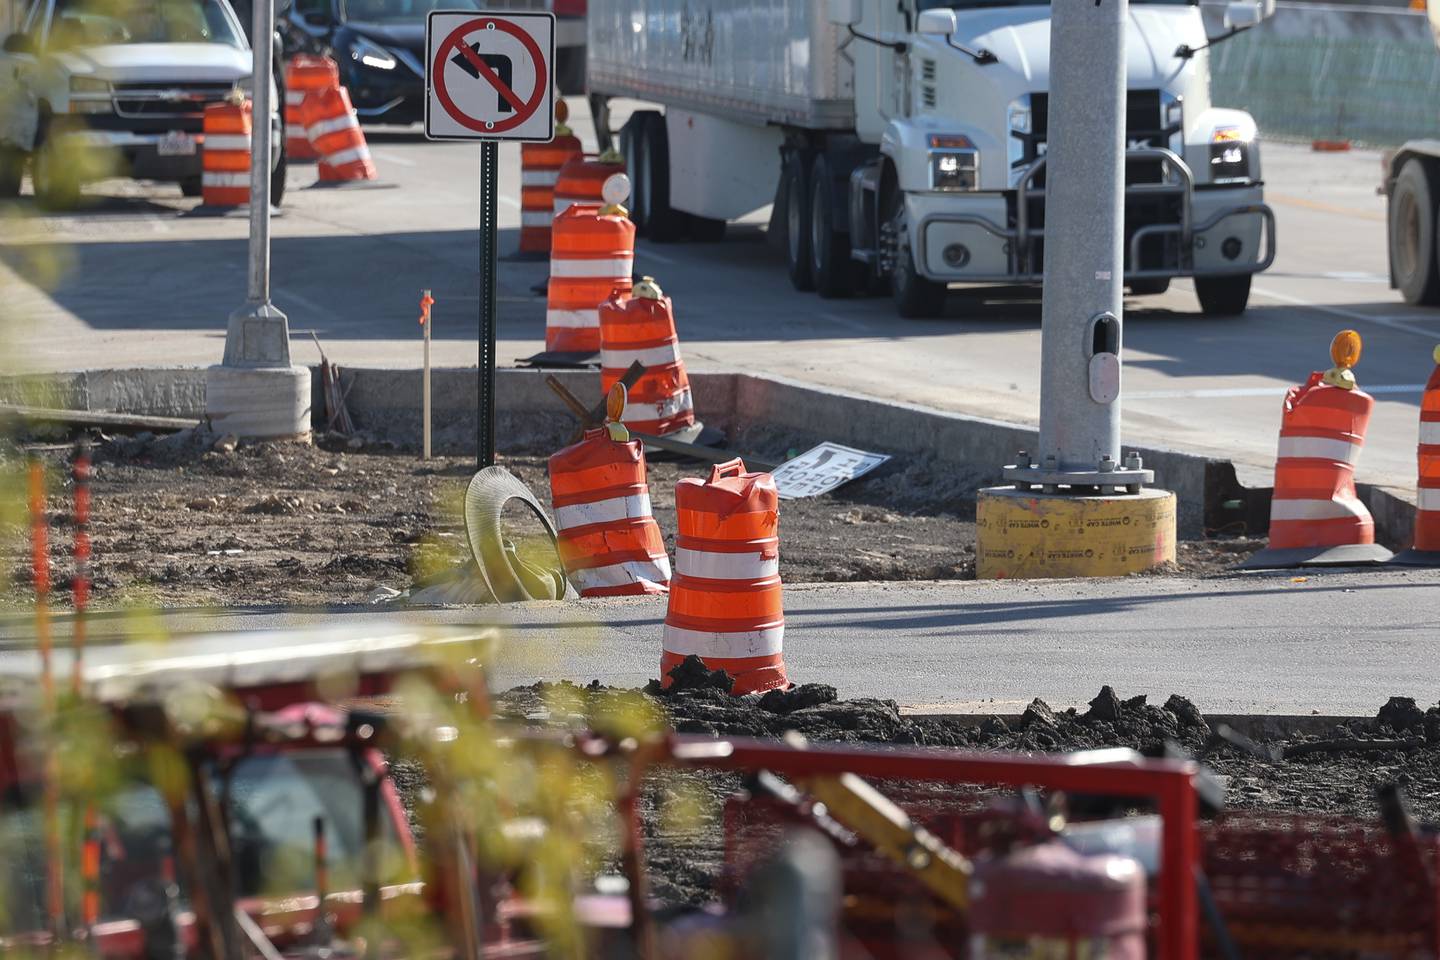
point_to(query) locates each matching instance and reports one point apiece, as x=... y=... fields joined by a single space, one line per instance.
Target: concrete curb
x=385 y=403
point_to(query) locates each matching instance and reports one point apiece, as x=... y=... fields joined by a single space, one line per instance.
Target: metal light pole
x=1084 y=264
x=259 y=334
x=255 y=392
x=1076 y=510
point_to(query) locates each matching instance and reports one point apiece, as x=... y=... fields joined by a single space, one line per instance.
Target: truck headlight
x=1229 y=161
x=89 y=95
x=954 y=163
x=1230 y=153
x=1017 y=115
x=372 y=55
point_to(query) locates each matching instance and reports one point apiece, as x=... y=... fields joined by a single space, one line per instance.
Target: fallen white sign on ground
x=822 y=469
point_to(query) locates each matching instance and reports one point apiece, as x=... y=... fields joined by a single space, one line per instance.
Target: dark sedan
x=380 y=47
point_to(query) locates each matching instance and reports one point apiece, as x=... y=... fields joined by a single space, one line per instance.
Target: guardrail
x=1332 y=71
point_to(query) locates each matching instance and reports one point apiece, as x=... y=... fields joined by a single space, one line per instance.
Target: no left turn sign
x=489 y=76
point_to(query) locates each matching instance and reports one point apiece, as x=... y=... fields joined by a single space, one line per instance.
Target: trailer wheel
x=1412 y=233
x=632 y=148
x=797 y=221
x=829 y=247
x=1223 y=296
x=664 y=224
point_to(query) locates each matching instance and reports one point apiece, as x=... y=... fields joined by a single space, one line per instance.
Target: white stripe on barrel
x=227 y=141
x=706 y=643
x=650 y=356
x=655 y=571
x=1319 y=448
x=1430 y=432
x=321 y=127
x=353 y=155
x=572 y=318
x=587 y=269
x=634 y=507
x=1428 y=498
x=709 y=565
x=530 y=218
x=668 y=407
x=539 y=178
x=1281 y=510
x=209 y=179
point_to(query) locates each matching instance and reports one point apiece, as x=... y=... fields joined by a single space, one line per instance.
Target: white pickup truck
x=903 y=142
x=92 y=88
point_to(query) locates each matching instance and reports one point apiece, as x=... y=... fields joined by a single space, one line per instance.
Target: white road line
x=305 y=302
x=1393 y=323
x=1221 y=392
x=652 y=255
x=849 y=323
x=389 y=157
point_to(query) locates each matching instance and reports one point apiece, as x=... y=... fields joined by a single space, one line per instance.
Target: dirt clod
x=1105 y=707
x=1038 y=712
x=1401 y=714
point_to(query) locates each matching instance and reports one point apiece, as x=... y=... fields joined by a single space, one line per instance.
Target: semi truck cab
x=907 y=147
x=957 y=192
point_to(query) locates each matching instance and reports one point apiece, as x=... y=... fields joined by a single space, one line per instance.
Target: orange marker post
x=426 y=302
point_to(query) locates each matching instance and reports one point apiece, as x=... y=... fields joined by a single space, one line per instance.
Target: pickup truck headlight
x=1229 y=155
x=954 y=163
x=372 y=55
x=89 y=95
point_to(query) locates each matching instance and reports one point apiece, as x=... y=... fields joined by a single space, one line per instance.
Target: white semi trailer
x=903 y=141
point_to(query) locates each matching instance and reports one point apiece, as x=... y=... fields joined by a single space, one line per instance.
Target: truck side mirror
x=844 y=13
x=936 y=23
x=1243 y=14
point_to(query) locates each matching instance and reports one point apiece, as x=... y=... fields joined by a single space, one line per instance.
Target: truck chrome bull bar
x=1021 y=237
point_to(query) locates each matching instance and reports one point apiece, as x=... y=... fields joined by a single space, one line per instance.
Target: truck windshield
x=399 y=11
x=80 y=23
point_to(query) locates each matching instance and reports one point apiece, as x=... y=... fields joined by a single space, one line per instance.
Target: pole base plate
x=1026 y=535
x=1078 y=482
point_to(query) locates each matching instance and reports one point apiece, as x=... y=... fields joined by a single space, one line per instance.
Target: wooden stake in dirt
x=40 y=570
x=80 y=586
x=426 y=301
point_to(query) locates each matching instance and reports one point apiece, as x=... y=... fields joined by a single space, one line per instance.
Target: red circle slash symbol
x=524 y=110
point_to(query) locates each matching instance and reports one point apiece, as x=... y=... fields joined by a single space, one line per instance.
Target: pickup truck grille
x=155 y=101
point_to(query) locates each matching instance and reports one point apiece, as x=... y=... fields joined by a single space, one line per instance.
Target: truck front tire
x=1412 y=226
x=1223 y=296
x=796 y=182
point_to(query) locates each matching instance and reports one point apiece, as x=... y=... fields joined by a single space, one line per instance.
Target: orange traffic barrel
x=90 y=856
x=540 y=165
x=592 y=254
x=642 y=327
x=1425 y=549
x=1316 y=517
x=305 y=73
x=225 y=155
x=725 y=599
x=609 y=541
x=335 y=134
x=582 y=180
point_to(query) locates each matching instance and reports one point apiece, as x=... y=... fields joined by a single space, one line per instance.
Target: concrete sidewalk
x=1334 y=643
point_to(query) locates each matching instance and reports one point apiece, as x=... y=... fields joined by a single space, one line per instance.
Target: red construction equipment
x=1425 y=547
x=305 y=73
x=725 y=600
x=540 y=165
x=225 y=155
x=582 y=180
x=1316 y=517
x=642 y=327
x=609 y=541
x=592 y=256
x=335 y=133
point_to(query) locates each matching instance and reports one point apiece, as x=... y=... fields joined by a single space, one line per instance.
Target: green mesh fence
x=1371 y=90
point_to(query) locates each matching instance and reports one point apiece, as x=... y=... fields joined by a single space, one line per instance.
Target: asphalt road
x=1334 y=644
x=138 y=281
